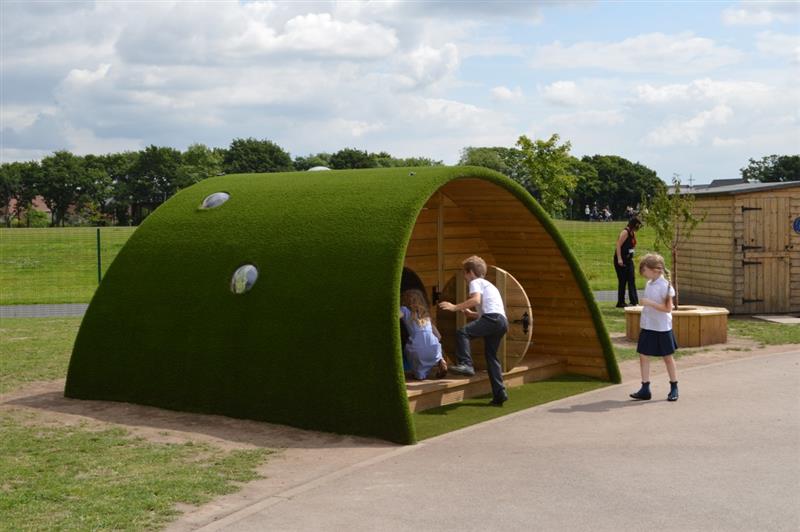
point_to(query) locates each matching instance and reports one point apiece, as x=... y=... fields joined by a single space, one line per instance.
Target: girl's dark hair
x=635 y=223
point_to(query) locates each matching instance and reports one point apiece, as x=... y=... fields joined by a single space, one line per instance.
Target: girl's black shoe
x=673 y=391
x=643 y=394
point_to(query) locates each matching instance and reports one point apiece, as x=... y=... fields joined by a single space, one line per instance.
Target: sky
x=687 y=88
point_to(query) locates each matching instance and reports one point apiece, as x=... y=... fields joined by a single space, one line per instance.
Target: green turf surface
x=447 y=418
x=315 y=343
x=55 y=265
x=34 y=349
x=82 y=478
x=765 y=332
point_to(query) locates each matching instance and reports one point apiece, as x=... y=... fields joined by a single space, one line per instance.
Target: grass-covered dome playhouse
x=315 y=340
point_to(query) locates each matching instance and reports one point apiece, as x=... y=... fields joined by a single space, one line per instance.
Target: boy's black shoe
x=498 y=401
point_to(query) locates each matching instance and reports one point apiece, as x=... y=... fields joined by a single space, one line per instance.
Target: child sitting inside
x=423 y=349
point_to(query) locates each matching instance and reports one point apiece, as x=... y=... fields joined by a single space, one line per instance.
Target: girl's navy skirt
x=656 y=343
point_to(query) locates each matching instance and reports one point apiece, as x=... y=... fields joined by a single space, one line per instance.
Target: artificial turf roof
x=315 y=343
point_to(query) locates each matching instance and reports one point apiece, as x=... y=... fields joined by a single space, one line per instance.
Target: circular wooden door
x=518 y=310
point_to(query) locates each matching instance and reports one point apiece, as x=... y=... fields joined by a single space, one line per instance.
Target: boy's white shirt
x=491 y=302
x=652 y=319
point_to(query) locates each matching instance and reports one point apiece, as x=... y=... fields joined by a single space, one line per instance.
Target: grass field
x=59 y=265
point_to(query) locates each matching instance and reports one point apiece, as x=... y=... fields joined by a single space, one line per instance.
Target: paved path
x=78 y=309
x=724 y=457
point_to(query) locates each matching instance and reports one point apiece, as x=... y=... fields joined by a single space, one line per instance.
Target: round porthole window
x=215 y=200
x=244 y=278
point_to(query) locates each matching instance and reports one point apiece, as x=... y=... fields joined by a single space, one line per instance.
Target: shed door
x=518 y=338
x=765 y=252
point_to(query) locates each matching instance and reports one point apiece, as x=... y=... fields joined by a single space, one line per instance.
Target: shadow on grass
x=443 y=419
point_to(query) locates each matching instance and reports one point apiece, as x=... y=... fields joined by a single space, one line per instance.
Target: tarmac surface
x=725 y=456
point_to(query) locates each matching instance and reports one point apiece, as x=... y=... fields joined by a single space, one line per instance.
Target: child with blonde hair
x=655 y=326
x=423 y=348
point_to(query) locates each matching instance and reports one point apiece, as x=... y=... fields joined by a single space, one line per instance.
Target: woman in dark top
x=623 y=262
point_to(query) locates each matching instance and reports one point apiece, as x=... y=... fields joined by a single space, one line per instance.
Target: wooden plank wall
x=711 y=262
x=484 y=219
x=706 y=263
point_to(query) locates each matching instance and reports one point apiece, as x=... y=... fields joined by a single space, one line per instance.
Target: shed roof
x=742 y=188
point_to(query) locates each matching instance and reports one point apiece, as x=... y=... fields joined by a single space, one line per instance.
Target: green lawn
x=77 y=478
x=54 y=265
x=59 y=265
x=34 y=349
x=83 y=478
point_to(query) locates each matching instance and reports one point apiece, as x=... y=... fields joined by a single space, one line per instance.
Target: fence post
x=99 y=265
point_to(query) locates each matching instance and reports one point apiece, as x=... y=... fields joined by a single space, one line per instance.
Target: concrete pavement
x=726 y=456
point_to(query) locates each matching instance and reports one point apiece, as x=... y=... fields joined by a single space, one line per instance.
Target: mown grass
x=764 y=332
x=436 y=421
x=55 y=265
x=76 y=478
x=59 y=265
x=34 y=349
x=84 y=478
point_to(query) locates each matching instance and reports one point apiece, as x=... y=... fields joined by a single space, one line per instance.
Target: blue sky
x=693 y=88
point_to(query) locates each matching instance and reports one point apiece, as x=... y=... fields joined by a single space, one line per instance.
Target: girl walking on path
x=655 y=327
x=623 y=262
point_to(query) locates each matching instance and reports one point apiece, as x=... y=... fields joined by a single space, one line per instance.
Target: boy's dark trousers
x=490 y=327
x=625 y=276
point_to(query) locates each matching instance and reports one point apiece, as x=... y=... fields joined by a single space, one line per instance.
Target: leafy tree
x=773 y=168
x=152 y=179
x=418 y=161
x=100 y=191
x=352 y=158
x=671 y=217
x=304 y=163
x=10 y=182
x=254 y=156
x=119 y=167
x=198 y=162
x=620 y=183
x=64 y=183
x=547 y=170
x=507 y=161
x=587 y=188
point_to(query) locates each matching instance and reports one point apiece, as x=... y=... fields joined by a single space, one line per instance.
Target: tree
x=152 y=179
x=620 y=183
x=119 y=166
x=546 y=169
x=64 y=184
x=773 y=168
x=10 y=182
x=198 y=162
x=671 y=217
x=255 y=156
x=587 y=188
x=352 y=158
x=304 y=163
x=507 y=161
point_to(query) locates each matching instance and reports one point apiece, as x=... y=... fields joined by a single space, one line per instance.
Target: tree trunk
x=675 y=275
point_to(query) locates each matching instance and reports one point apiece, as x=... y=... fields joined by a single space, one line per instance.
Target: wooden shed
x=315 y=341
x=745 y=256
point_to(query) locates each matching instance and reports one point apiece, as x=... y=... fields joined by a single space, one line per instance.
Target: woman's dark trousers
x=626 y=276
x=491 y=327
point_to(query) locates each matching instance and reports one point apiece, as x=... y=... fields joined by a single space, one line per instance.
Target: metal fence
x=64 y=265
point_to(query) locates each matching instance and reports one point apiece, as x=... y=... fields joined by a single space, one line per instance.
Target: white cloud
x=652 y=52
x=564 y=93
x=760 y=13
x=611 y=117
x=677 y=132
x=779 y=44
x=504 y=94
x=718 y=142
x=357 y=128
x=745 y=92
x=426 y=66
